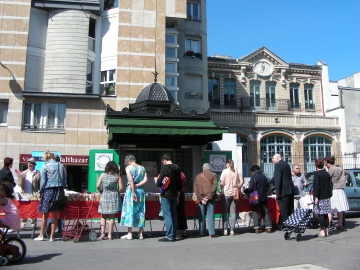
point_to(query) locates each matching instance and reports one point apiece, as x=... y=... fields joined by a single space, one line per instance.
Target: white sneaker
x=232 y=233
x=225 y=232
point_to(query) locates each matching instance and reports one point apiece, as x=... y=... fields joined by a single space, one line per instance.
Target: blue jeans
x=210 y=209
x=168 y=206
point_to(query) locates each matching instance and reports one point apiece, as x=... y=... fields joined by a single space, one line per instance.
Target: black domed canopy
x=154 y=91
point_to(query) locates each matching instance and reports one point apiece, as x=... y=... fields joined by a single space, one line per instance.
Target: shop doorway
x=77 y=178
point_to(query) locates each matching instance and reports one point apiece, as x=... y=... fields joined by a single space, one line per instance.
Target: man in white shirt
x=299 y=181
x=29 y=181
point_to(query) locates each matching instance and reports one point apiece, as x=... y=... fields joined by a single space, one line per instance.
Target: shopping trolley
x=76 y=220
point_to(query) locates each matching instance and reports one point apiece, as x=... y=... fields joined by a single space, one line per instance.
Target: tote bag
x=254 y=198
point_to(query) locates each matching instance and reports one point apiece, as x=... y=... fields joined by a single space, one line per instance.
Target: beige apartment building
x=274 y=107
x=63 y=62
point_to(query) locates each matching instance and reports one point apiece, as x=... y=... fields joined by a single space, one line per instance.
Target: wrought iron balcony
x=310 y=106
x=264 y=104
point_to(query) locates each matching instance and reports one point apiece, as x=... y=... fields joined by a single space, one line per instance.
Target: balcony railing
x=296 y=106
x=310 y=106
x=264 y=104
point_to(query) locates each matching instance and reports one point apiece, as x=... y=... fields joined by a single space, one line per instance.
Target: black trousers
x=286 y=204
x=180 y=211
x=324 y=221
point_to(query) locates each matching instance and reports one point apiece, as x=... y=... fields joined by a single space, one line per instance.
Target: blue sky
x=298 y=31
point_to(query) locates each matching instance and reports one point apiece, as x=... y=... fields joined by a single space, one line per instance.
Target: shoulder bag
x=211 y=184
x=238 y=196
x=60 y=199
x=254 y=198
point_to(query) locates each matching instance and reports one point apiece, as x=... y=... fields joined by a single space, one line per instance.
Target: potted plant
x=198 y=55
x=189 y=53
x=111 y=90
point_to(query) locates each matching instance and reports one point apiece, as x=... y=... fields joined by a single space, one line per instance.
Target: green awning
x=163 y=128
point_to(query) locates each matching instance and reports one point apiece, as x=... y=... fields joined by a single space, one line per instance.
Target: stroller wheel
x=298 y=237
x=3 y=261
x=287 y=235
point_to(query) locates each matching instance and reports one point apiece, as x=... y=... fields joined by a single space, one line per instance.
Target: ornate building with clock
x=273 y=107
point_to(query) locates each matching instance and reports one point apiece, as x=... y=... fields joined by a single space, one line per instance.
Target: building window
x=214 y=91
x=4 y=106
x=229 y=92
x=91 y=38
x=255 y=94
x=89 y=77
x=170 y=52
x=44 y=116
x=170 y=82
x=170 y=39
x=309 y=96
x=193 y=86
x=170 y=67
x=271 y=95
x=107 y=84
x=270 y=146
x=315 y=147
x=192 y=45
x=110 y=4
x=245 y=155
x=294 y=96
x=193 y=11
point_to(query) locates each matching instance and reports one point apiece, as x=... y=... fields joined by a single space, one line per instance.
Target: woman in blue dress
x=133 y=209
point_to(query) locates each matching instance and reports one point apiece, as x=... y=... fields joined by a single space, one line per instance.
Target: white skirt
x=339 y=201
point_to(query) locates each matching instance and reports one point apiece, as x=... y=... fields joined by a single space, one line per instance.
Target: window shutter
x=193 y=84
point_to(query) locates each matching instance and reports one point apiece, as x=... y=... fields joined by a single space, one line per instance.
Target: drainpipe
x=322 y=96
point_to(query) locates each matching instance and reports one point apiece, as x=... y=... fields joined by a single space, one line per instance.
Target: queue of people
x=328 y=195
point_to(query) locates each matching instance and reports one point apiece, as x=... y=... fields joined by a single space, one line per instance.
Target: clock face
x=263 y=68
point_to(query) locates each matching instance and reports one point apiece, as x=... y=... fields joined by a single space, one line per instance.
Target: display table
x=28 y=209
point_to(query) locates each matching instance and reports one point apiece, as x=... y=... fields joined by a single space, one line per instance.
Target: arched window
x=245 y=155
x=315 y=147
x=229 y=92
x=271 y=145
x=214 y=91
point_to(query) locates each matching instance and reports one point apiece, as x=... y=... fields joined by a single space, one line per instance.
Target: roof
x=154 y=91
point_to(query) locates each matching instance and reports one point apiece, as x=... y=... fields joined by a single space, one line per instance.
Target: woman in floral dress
x=133 y=210
x=110 y=186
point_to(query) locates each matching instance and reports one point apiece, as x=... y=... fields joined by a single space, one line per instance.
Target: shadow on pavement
x=39 y=259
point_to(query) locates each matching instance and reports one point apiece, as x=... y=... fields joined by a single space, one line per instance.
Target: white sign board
x=101 y=159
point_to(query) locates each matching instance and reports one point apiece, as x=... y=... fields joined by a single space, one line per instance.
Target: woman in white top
x=230 y=179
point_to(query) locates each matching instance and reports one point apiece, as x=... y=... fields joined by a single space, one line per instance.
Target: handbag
x=60 y=198
x=254 y=198
x=238 y=195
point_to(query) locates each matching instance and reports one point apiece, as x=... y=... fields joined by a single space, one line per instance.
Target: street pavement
x=245 y=250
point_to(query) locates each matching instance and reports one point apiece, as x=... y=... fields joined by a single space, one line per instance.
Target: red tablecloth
x=28 y=209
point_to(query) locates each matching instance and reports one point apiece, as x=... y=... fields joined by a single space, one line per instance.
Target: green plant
x=198 y=55
x=111 y=90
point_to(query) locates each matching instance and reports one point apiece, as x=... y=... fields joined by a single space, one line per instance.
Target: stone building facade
x=273 y=107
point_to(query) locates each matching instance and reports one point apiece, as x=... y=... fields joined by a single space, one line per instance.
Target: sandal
x=102 y=237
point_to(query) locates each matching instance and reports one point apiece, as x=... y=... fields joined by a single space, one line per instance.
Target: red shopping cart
x=76 y=220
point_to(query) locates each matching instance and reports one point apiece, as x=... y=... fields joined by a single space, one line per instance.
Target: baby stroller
x=297 y=223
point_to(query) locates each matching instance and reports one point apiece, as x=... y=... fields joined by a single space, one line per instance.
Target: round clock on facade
x=263 y=68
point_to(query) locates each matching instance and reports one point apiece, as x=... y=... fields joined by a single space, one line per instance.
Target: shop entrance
x=77 y=177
